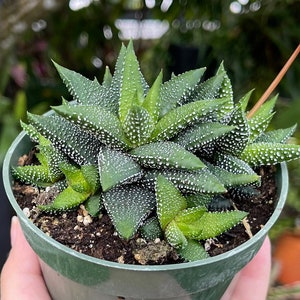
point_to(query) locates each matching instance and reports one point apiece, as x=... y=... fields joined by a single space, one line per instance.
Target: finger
x=252 y=282
x=21 y=276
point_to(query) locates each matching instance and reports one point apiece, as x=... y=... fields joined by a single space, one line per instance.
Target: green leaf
x=258 y=154
x=84 y=90
x=218 y=86
x=211 y=224
x=236 y=140
x=115 y=168
x=107 y=79
x=266 y=109
x=220 y=202
x=67 y=199
x=151 y=230
x=169 y=201
x=277 y=136
x=259 y=126
x=225 y=92
x=166 y=155
x=230 y=179
x=179 y=118
x=188 y=222
x=244 y=192
x=91 y=176
x=193 y=251
x=218 y=222
x=138 y=125
x=31 y=131
x=152 y=101
x=113 y=93
x=190 y=215
x=208 y=89
x=233 y=164
x=79 y=145
x=200 y=181
x=174 y=236
x=260 y=121
x=128 y=206
x=60 y=185
x=93 y=205
x=36 y=175
x=83 y=179
x=97 y=120
x=48 y=172
x=198 y=200
x=243 y=102
x=178 y=88
x=132 y=85
x=200 y=135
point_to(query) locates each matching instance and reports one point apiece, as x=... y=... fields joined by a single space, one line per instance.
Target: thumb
x=252 y=282
x=21 y=276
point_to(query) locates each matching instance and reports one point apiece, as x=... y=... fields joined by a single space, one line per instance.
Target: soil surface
x=96 y=236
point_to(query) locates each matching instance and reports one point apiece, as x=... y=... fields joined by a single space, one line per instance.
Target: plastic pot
x=71 y=275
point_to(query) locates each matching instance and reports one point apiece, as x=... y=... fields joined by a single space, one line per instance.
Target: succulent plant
x=156 y=157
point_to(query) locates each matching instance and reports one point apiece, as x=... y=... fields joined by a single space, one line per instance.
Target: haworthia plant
x=156 y=158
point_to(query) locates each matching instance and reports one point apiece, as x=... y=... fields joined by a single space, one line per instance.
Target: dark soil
x=96 y=236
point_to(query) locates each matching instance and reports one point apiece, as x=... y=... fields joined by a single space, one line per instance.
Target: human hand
x=252 y=282
x=21 y=276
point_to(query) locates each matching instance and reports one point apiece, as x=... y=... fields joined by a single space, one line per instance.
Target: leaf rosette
x=154 y=157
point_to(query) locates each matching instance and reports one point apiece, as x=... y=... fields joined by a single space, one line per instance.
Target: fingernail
x=13 y=230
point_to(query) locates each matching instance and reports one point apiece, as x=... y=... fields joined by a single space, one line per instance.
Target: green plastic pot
x=72 y=275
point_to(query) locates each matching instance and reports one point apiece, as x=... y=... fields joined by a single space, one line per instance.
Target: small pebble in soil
x=121 y=259
x=87 y=220
x=26 y=211
x=80 y=218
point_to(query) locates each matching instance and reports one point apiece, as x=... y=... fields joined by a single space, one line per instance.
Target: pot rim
x=282 y=194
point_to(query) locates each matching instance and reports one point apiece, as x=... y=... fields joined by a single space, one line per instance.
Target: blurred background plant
x=254 y=38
